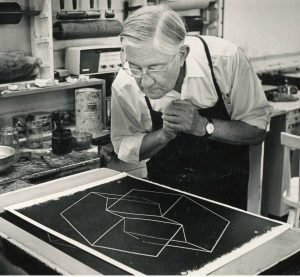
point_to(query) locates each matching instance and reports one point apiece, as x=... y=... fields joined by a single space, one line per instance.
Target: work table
x=42 y=165
x=253 y=262
x=280 y=108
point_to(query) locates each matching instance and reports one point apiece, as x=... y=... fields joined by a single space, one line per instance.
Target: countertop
x=280 y=108
x=43 y=165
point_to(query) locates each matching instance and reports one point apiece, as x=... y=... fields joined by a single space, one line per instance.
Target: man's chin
x=155 y=94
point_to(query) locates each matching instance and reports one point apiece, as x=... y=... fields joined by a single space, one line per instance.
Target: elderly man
x=187 y=105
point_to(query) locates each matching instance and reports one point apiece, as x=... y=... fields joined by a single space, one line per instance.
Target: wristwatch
x=209 y=128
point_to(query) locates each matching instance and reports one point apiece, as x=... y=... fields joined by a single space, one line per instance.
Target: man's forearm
x=227 y=131
x=237 y=132
x=152 y=143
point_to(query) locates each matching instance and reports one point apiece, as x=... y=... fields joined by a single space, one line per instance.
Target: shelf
x=55 y=88
x=62 y=44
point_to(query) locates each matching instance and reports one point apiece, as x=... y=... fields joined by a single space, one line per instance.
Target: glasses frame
x=139 y=73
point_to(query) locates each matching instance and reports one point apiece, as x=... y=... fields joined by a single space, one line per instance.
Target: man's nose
x=146 y=80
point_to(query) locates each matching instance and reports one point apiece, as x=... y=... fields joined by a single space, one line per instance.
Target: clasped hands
x=182 y=116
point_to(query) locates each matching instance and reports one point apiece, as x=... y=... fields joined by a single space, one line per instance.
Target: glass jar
x=9 y=136
x=34 y=134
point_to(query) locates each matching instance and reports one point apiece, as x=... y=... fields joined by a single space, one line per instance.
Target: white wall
x=16 y=36
x=263 y=27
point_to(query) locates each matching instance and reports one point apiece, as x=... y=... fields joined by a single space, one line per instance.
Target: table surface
x=43 y=163
x=254 y=262
x=280 y=108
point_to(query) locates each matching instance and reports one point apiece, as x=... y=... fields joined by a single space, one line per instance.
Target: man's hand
x=183 y=116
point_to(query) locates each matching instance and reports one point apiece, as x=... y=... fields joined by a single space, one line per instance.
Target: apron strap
x=211 y=67
x=148 y=103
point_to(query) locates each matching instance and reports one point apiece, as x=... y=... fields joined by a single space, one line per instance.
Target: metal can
x=88 y=111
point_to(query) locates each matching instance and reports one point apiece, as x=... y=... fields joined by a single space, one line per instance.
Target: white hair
x=157 y=24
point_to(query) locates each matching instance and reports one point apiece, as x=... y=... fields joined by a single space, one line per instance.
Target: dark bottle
x=62 y=142
x=61 y=138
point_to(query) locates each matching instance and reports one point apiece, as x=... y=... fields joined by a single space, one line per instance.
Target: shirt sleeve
x=248 y=101
x=127 y=132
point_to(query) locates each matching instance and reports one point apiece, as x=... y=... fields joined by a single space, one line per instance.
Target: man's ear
x=184 y=51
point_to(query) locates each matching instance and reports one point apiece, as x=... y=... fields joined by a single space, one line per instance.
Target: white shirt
x=241 y=89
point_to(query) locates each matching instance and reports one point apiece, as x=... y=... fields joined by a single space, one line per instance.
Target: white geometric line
x=193 y=246
x=138 y=201
x=173 y=204
x=113 y=211
x=109 y=194
x=126 y=195
x=182 y=247
x=117 y=196
x=157 y=220
x=183 y=231
x=57 y=241
x=167 y=243
x=147 y=236
x=76 y=230
x=107 y=231
x=129 y=200
x=125 y=251
x=120 y=199
x=76 y=202
x=160 y=192
x=49 y=237
x=217 y=241
x=206 y=208
x=129 y=234
x=189 y=248
x=107 y=210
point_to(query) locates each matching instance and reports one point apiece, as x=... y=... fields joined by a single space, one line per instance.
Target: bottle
x=286 y=86
x=61 y=138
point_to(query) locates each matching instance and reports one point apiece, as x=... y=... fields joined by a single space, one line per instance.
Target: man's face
x=155 y=84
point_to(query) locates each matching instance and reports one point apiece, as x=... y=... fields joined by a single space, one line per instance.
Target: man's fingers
x=173 y=127
x=172 y=119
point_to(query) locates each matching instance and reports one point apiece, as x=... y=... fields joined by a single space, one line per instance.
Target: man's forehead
x=145 y=55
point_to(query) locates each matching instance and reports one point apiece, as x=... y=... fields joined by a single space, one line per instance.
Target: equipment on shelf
x=86 y=29
x=11 y=13
x=77 y=14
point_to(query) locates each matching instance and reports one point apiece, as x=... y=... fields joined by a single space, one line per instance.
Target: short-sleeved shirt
x=241 y=89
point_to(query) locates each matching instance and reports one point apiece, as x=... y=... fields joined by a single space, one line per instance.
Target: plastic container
x=81 y=140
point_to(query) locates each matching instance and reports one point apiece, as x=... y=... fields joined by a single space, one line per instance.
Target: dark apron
x=199 y=165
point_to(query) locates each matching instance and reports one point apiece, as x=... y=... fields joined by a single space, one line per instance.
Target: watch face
x=210 y=128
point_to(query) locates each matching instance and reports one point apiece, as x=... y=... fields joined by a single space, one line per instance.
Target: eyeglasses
x=138 y=72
